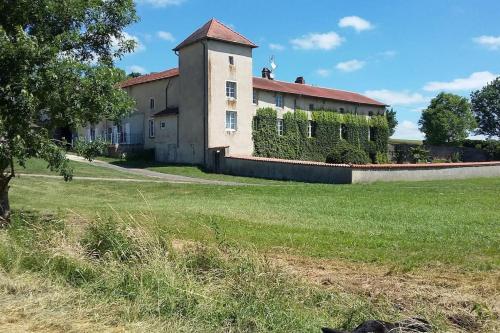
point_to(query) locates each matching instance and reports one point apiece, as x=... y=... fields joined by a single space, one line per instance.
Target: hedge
x=326 y=126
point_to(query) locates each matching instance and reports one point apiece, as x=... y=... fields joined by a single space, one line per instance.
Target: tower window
x=231 y=89
x=231 y=121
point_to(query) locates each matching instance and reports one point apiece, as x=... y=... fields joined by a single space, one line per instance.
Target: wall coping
x=368 y=166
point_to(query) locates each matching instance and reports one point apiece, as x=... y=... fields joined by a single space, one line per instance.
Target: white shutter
x=127 y=133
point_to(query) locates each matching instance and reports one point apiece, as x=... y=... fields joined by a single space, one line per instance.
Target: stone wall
x=318 y=172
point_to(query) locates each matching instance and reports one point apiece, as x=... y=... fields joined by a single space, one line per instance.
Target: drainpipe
x=166 y=94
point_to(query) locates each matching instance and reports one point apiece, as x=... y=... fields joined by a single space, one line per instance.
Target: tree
x=392 y=121
x=56 y=69
x=486 y=108
x=448 y=118
x=134 y=74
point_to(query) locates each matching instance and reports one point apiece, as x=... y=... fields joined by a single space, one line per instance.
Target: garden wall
x=319 y=172
x=467 y=154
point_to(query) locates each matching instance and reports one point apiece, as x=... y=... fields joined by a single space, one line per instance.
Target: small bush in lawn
x=345 y=153
x=90 y=149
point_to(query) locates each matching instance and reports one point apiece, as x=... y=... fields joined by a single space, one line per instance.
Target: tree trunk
x=4 y=202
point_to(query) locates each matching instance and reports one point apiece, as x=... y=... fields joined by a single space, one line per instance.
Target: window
x=231 y=121
x=279 y=125
x=279 y=101
x=311 y=107
x=370 y=113
x=163 y=124
x=231 y=60
x=371 y=134
x=343 y=132
x=151 y=103
x=255 y=97
x=311 y=129
x=341 y=110
x=231 y=89
x=151 y=128
x=92 y=133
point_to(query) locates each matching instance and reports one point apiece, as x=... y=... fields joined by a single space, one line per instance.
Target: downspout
x=205 y=102
x=166 y=94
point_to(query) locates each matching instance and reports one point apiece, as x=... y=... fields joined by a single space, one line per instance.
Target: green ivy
x=295 y=143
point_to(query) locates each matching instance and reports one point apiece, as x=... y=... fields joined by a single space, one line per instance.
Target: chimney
x=266 y=73
x=300 y=80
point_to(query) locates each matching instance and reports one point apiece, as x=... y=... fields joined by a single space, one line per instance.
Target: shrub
x=345 y=153
x=419 y=154
x=381 y=158
x=492 y=148
x=456 y=157
x=90 y=149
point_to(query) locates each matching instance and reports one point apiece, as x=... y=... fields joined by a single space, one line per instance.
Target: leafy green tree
x=448 y=118
x=391 y=120
x=134 y=74
x=486 y=108
x=56 y=69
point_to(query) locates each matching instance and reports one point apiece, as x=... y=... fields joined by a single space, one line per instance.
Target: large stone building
x=188 y=114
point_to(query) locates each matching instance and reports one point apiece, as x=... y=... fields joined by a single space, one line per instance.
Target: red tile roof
x=311 y=91
x=271 y=85
x=150 y=77
x=213 y=29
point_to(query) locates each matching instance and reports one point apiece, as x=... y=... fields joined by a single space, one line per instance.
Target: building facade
x=207 y=104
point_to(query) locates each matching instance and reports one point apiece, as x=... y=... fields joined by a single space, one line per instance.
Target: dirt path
x=153 y=174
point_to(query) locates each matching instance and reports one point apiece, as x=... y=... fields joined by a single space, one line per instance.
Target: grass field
x=425 y=248
x=183 y=170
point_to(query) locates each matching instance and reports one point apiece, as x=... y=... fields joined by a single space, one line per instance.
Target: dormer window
x=231 y=60
x=231 y=89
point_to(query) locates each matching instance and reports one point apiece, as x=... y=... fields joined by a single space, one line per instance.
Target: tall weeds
x=133 y=266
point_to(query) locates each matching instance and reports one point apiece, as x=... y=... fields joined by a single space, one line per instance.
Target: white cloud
x=491 y=42
x=408 y=130
x=351 y=65
x=323 y=72
x=388 y=54
x=137 y=69
x=393 y=98
x=165 y=35
x=276 y=47
x=475 y=81
x=357 y=23
x=161 y=3
x=317 y=41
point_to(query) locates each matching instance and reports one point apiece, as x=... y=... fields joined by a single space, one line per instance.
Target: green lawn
x=405 y=225
x=39 y=166
x=185 y=170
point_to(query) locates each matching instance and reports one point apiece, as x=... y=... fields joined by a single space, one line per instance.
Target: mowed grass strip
x=454 y=224
x=39 y=166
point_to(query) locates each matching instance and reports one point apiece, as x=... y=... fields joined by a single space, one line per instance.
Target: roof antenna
x=273 y=67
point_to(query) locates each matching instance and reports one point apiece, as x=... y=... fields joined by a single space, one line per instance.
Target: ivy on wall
x=328 y=129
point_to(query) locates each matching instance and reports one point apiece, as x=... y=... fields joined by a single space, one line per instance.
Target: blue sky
x=400 y=52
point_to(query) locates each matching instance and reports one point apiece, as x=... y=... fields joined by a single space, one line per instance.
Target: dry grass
x=136 y=280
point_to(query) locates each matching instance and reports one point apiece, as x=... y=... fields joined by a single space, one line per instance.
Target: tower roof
x=215 y=30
